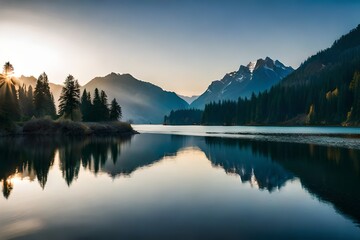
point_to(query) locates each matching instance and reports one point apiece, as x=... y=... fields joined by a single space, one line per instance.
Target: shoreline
x=48 y=127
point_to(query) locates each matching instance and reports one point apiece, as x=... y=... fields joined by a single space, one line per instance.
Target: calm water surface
x=348 y=137
x=165 y=186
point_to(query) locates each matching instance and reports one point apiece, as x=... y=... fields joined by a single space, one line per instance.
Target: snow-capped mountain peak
x=251 y=66
x=257 y=76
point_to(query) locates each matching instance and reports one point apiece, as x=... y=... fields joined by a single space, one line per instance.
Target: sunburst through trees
x=9 y=104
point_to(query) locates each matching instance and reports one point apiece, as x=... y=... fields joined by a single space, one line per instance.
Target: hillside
x=255 y=77
x=189 y=100
x=324 y=90
x=31 y=81
x=141 y=102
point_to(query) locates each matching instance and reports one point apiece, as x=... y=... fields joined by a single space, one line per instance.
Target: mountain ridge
x=188 y=99
x=141 y=102
x=255 y=77
x=324 y=90
x=55 y=89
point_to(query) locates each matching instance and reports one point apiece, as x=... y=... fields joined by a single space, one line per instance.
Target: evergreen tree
x=22 y=98
x=97 y=107
x=70 y=98
x=26 y=102
x=8 y=69
x=43 y=100
x=29 y=108
x=86 y=106
x=104 y=106
x=115 y=111
x=9 y=104
x=184 y=117
x=355 y=88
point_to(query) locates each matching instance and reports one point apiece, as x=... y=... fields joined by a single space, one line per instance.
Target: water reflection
x=244 y=159
x=331 y=174
x=33 y=157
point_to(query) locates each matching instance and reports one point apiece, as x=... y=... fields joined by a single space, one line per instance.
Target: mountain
x=255 y=77
x=189 y=100
x=55 y=89
x=141 y=102
x=324 y=90
x=342 y=56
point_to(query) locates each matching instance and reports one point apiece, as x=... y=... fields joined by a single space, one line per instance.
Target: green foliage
x=69 y=106
x=97 y=110
x=9 y=103
x=355 y=89
x=115 y=111
x=97 y=107
x=46 y=126
x=104 y=109
x=221 y=113
x=323 y=90
x=184 y=117
x=86 y=106
x=26 y=102
x=43 y=100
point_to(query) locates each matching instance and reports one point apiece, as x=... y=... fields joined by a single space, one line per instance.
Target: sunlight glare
x=30 y=54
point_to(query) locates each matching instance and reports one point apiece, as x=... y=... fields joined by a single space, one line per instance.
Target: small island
x=24 y=111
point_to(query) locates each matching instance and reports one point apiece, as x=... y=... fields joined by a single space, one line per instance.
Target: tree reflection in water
x=329 y=173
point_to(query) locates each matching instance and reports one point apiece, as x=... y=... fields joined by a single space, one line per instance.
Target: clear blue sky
x=179 y=45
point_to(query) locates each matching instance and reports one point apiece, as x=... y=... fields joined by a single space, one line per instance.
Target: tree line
x=184 y=117
x=91 y=154
x=326 y=96
x=316 y=103
x=324 y=90
x=21 y=103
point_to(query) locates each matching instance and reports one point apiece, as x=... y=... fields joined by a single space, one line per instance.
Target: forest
x=184 y=117
x=324 y=90
x=23 y=103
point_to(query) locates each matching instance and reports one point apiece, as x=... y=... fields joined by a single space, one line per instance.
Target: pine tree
x=104 y=106
x=43 y=101
x=9 y=103
x=97 y=107
x=355 y=88
x=115 y=111
x=22 y=99
x=86 y=106
x=70 y=98
x=29 y=109
x=8 y=69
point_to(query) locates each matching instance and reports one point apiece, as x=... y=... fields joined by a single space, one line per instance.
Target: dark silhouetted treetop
x=115 y=111
x=9 y=104
x=70 y=98
x=323 y=90
x=184 y=117
x=43 y=101
x=86 y=106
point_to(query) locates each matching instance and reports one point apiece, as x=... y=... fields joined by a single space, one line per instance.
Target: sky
x=181 y=45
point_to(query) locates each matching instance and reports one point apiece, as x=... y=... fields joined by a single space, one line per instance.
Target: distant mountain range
x=324 y=90
x=189 y=100
x=141 y=102
x=255 y=77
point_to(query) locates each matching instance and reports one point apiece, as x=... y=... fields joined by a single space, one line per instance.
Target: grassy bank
x=68 y=128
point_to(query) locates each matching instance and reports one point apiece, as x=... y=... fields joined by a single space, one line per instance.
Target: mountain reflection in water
x=329 y=173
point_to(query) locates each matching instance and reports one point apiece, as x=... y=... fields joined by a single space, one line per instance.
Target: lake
x=216 y=183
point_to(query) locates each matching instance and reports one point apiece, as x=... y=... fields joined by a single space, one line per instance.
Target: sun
x=6 y=78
